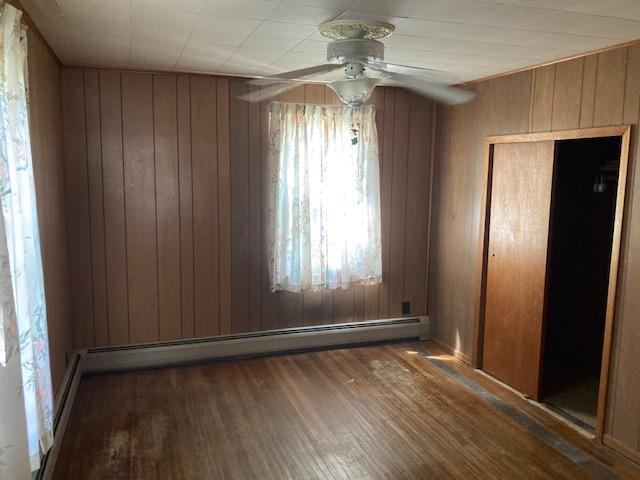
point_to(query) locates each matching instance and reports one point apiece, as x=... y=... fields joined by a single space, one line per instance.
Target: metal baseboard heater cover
x=63 y=403
x=157 y=354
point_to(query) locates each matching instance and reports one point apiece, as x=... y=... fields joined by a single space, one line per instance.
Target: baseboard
x=453 y=352
x=159 y=354
x=621 y=448
x=63 y=403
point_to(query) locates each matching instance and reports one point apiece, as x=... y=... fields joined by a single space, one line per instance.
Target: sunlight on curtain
x=324 y=197
x=26 y=413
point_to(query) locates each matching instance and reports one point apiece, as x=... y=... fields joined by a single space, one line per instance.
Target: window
x=324 y=197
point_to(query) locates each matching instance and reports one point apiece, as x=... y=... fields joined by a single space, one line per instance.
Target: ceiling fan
x=356 y=47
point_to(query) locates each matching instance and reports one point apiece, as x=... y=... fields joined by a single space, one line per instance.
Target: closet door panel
x=517 y=262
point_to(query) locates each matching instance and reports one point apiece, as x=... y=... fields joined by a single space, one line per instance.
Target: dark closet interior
x=582 y=222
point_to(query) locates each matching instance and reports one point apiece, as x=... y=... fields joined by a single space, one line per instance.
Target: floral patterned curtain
x=26 y=407
x=324 y=197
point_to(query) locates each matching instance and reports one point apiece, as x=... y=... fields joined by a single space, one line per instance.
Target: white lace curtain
x=324 y=197
x=26 y=406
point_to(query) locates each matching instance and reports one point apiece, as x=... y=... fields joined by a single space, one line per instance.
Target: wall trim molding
x=621 y=448
x=180 y=352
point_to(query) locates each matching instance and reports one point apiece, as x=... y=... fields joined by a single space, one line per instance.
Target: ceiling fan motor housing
x=354 y=70
x=355 y=50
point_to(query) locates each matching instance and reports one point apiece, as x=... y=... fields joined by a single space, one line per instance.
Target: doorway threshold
x=554 y=412
x=587 y=427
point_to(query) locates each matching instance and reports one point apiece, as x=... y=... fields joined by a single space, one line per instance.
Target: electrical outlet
x=406 y=308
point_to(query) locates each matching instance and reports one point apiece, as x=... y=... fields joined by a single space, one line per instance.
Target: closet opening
x=583 y=211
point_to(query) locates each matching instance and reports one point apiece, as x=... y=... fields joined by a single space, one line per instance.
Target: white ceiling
x=467 y=38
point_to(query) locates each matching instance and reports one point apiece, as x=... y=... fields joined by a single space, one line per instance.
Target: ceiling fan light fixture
x=354 y=91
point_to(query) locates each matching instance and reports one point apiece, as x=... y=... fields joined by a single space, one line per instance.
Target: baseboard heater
x=157 y=354
x=63 y=403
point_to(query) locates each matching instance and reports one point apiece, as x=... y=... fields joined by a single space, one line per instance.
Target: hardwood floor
x=397 y=411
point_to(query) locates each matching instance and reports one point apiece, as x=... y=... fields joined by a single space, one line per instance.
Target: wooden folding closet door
x=521 y=186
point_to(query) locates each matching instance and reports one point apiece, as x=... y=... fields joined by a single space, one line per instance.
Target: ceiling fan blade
x=438 y=91
x=425 y=85
x=268 y=92
x=297 y=74
x=426 y=73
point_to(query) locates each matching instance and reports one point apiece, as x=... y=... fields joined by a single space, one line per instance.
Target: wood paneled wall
x=597 y=90
x=45 y=120
x=165 y=184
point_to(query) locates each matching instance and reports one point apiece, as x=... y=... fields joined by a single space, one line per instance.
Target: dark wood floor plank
x=375 y=412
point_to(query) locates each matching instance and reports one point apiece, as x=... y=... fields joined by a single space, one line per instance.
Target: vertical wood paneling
x=437 y=303
x=598 y=90
x=78 y=221
x=343 y=304
x=609 y=95
x=566 y=95
x=429 y=205
x=96 y=206
x=398 y=202
x=224 y=203
x=204 y=158
x=327 y=307
x=240 y=216
x=418 y=171
x=46 y=132
x=632 y=86
x=588 y=95
x=255 y=213
x=165 y=136
x=140 y=194
x=190 y=258
x=114 y=207
x=185 y=184
x=542 y=100
x=313 y=308
x=358 y=304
